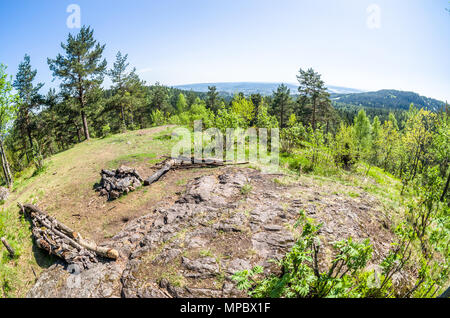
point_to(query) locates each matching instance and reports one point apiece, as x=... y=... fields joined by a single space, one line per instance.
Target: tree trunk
x=314 y=114
x=78 y=133
x=85 y=125
x=444 y=192
x=83 y=114
x=6 y=170
x=123 y=117
x=30 y=138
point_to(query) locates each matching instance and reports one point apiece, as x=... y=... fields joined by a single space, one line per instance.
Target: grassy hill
x=65 y=190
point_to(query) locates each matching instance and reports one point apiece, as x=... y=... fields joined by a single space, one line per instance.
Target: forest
x=319 y=136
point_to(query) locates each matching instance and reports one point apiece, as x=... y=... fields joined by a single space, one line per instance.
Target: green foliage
x=246 y=189
x=282 y=104
x=264 y=120
x=212 y=98
x=313 y=98
x=293 y=136
x=244 y=110
x=158 y=118
x=362 y=129
x=181 y=104
x=127 y=89
x=81 y=70
x=8 y=101
x=106 y=130
x=301 y=275
x=344 y=148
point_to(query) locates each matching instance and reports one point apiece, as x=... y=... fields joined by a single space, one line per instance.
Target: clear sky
x=401 y=44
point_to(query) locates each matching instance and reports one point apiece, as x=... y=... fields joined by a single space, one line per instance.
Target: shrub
x=106 y=130
x=301 y=275
x=292 y=137
x=158 y=118
x=344 y=149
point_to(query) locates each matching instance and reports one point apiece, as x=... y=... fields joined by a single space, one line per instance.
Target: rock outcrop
x=193 y=247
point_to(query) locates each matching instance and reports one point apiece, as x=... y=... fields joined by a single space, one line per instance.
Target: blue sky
x=191 y=41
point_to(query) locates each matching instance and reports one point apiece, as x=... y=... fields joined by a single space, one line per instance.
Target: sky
x=369 y=45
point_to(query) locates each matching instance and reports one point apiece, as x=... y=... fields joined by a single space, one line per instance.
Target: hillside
x=389 y=99
x=256 y=87
x=386 y=99
x=189 y=251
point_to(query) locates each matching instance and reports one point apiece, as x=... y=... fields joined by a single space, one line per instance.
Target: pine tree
x=281 y=104
x=362 y=131
x=212 y=98
x=181 y=103
x=81 y=69
x=30 y=99
x=311 y=90
x=376 y=141
x=126 y=88
x=160 y=99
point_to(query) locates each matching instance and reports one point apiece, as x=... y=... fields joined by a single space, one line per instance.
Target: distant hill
x=388 y=99
x=256 y=87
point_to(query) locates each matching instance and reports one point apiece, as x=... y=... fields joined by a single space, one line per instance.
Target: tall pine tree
x=281 y=104
x=30 y=99
x=312 y=89
x=81 y=69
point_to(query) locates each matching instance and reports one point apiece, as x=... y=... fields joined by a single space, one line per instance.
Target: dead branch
x=8 y=247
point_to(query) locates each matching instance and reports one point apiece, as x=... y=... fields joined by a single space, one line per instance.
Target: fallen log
x=158 y=174
x=8 y=247
x=185 y=163
x=60 y=240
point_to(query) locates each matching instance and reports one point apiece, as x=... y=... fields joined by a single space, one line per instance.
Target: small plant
x=206 y=253
x=246 y=189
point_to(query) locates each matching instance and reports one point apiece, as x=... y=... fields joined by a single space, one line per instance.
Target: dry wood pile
x=117 y=182
x=60 y=240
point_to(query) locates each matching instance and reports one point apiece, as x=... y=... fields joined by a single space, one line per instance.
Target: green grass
x=132 y=158
x=62 y=187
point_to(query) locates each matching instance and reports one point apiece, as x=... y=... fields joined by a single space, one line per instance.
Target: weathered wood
x=158 y=174
x=100 y=250
x=185 y=163
x=8 y=247
x=59 y=239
